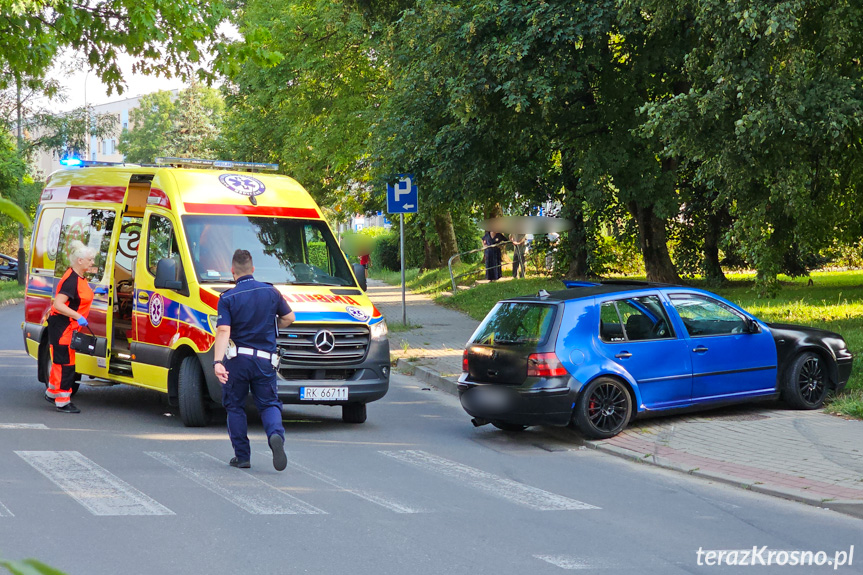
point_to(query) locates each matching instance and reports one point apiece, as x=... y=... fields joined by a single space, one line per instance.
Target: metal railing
x=472 y=272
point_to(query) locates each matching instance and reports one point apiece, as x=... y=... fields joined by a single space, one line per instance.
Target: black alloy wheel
x=603 y=409
x=806 y=384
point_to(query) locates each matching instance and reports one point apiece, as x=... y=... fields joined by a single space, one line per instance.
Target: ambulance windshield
x=284 y=250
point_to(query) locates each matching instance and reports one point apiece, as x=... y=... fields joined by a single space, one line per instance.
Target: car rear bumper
x=541 y=402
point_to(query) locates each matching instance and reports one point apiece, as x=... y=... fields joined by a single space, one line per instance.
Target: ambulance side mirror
x=360 y=272
x=168 y=275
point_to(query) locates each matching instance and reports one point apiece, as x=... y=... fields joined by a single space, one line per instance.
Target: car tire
x=806 y=383
x=603 y=409
x=354 y=413
x=504 y=426
x=44 y=367
x=190 y=393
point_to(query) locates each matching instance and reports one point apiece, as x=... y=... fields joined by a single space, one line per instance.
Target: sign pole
x=402 y=233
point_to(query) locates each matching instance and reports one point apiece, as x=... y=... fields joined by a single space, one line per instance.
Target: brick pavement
x=808 y=456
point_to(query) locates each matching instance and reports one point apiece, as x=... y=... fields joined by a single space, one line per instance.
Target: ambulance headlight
x=379 y=330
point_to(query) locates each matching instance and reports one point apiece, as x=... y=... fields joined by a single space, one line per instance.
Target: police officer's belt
x=271 y=357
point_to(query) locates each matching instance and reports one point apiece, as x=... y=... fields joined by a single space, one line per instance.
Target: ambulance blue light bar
x=70 y=161
x=217 y=164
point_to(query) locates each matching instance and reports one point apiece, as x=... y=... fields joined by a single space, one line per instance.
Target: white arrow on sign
x=408 y=206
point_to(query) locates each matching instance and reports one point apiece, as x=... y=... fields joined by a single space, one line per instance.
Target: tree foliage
x=166 y=37
x=188 y=126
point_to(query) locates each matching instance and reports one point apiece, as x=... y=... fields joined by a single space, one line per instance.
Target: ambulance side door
x=155 y=310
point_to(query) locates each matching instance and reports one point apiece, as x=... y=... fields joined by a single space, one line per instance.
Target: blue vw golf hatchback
x=599 y=354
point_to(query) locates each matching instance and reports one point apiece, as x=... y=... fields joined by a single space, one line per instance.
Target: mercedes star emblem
x=325 y=341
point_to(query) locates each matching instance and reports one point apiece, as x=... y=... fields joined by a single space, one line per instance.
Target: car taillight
x=464 y=361
x=544 y=365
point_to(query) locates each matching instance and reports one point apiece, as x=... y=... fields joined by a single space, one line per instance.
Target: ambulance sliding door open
x=123 y=326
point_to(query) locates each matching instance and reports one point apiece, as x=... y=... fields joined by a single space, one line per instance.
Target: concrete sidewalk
x=807 y=456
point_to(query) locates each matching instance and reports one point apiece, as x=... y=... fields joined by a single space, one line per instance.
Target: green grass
x=833 y=302
x=10 y=290
x=428 y=281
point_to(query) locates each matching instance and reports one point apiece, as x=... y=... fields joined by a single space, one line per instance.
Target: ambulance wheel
x=354 y=413
x=44 y=367
x=193 y=405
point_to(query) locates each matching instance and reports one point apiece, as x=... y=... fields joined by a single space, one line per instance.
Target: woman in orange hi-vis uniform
x=68 y=313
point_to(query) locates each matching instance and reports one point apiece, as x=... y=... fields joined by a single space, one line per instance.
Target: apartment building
x=98 y=149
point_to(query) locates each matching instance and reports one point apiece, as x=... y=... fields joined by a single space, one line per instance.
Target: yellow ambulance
x=165 y=235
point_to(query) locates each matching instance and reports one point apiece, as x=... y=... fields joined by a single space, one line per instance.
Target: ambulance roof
x=185 y=190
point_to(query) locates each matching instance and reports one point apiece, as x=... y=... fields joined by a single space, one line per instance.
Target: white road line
x=574 y=563
x=5 y=512
x=394 y=506
x=492 y=484
x=237 y=486
x=23 y=426
x=94 y=487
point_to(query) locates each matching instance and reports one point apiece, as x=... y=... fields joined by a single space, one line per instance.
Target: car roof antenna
x=542 y=294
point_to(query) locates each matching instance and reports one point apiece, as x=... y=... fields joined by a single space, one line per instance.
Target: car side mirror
x=752 y=326
x=360 y=272
x=168 y=275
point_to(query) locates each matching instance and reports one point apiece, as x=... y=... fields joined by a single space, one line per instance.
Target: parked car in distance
x=8 y=268
x=597 y=355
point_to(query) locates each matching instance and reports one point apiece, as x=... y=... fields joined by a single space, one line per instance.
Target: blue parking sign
x=402 y=198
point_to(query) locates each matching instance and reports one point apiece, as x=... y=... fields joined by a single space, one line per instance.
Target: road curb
x=9 y=302
x=853 y=508
x=429 y=376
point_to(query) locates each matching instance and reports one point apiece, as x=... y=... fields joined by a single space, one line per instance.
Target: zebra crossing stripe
x=394 y=506
x=94 y=487
x=23 y=426
x=491 y=484
x=236 y=486
x=571 y=563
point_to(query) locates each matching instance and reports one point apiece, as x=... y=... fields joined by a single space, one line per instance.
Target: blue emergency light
x=71 y=161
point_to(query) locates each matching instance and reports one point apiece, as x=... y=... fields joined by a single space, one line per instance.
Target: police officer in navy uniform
x=248 y=316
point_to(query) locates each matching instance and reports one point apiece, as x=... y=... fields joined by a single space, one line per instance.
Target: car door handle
x=700 y=349
x=623 y=355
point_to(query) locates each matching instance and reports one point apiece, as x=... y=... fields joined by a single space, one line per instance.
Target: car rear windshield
x=513 y=323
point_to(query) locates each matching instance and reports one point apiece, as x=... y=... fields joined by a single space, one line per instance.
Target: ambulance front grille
x=297 y=344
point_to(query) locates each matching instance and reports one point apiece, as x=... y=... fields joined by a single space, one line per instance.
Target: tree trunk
x=712 y=270
x=654 y=249
x=579 y=248
x=431 y=260
x=446 y=234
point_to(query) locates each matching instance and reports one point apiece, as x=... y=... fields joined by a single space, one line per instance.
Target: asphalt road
x=125 y=488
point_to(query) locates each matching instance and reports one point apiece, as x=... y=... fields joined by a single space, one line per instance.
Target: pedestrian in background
x=518 y=252
x=493 y=257
x=366 y=262
x=69 y=312
x=249 y=315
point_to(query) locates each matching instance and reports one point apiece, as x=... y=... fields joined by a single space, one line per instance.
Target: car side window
x=704 y=316
x=161 y=242
x=634 y=319
x=610 y=326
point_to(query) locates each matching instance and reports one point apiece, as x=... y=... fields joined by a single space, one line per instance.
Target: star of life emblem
x=156 y=309
x=242 y=184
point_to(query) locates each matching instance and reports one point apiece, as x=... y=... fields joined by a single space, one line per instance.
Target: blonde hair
x=77 y=250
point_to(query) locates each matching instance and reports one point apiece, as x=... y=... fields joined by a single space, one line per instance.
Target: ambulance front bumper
x=337 y=384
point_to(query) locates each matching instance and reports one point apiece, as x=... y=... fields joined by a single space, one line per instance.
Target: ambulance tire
x=44 y=366
x=354 y=413
x=190 y=392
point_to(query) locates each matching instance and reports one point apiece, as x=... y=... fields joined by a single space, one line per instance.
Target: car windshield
x=512 y=323
x=284 y=250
